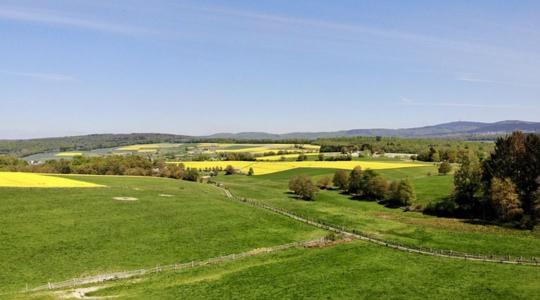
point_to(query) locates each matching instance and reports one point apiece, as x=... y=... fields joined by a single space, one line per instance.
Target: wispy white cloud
x=474 y=79
x=411 y=102
x=42 y=76
x=358 y=30
x=58 y=19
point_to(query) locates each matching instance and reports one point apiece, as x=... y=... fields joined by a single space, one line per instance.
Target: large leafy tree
x=516 y=157
x=468 y=183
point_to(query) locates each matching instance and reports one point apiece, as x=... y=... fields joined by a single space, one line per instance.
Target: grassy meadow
x=410 y=228
x=55 y=234
x=349 y=271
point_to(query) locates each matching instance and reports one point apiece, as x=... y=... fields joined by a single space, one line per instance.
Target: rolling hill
x=453 y=129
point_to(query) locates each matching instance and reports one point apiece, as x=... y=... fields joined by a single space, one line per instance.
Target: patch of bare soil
x=125 y=198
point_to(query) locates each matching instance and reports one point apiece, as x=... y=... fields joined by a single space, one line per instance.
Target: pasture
x=350 y=271
x=55 y=234
x=410 y=228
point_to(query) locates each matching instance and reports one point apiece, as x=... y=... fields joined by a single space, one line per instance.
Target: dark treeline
x=423 y=149
x=503 y=188
x=107 y=165
x=21 y=148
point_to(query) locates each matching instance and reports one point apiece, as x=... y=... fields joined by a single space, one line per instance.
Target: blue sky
x=200 y=67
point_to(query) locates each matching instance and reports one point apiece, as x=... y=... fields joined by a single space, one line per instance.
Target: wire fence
x=506 y=259
x=74 y=282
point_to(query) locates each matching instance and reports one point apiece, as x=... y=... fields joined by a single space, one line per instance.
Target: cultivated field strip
x=75 y=282
x=532 y=261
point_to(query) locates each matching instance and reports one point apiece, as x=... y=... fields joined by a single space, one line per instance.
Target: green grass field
x=350 y=271
x=410 y=228
x=57 y=234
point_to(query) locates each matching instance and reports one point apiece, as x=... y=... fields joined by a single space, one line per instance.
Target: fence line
x=532 y=261
x=177 y=266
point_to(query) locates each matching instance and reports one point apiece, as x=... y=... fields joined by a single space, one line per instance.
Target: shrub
x=303 y=187
x=341 y=179
x=191 y=174
x=401 y=193
x=445 y=167
x=324 y=182
x=250 y=172
x=355 y=180
x=377 y=188
x=230 y=170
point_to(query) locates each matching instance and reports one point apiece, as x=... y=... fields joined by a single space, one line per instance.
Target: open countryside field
x=263 y=168
x=410 y=228
x=56 y=234
x=351 y=271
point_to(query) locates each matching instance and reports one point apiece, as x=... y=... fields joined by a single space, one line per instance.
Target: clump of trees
x=303 y=187
x=230 y=170
x=503 y=188
x=133 y=165
x=235 y=156
x=324 y=182
x=372 y=186
x=445 y=167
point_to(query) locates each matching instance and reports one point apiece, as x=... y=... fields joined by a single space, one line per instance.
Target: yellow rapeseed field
x=31 y=180
x=263 y=167
x=69 y=154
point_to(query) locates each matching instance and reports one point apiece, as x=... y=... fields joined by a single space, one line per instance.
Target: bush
x=445 y=167
x=341 y=179
x=250 y=172
x=355 y=180
x=191 y=175
x=377 y=188
x=303 y=187
x=401 y=193
x=324 y=182
x=444 y=208
x=230 y=170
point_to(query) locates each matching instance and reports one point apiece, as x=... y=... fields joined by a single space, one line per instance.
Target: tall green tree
x=505 y=200
x=468 y=183
x=341 y=179
x=516 y=157
x=355 y=180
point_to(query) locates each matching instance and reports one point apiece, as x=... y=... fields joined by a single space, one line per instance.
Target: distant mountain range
x=453 y=129
x=462 y=130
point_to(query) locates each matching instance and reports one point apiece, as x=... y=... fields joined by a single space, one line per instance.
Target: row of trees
x=503 y=188
x=359 y=184
x=432 y=150
x=106 y=165
x=372 y=186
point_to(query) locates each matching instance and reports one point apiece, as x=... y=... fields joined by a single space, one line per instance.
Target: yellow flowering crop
x=263 y=167
x=31 y=180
